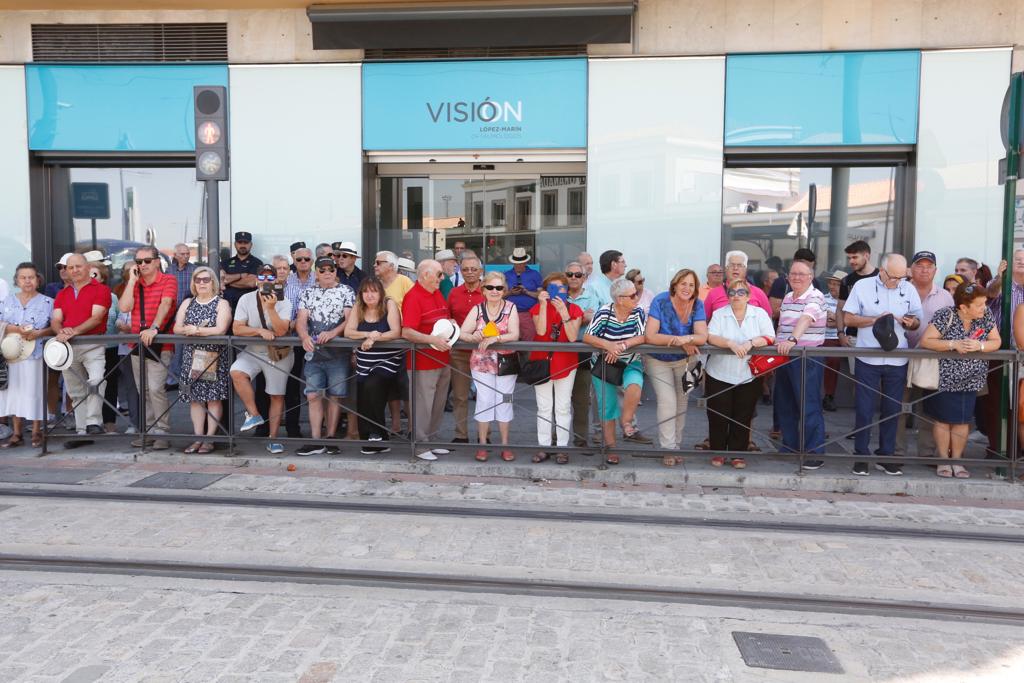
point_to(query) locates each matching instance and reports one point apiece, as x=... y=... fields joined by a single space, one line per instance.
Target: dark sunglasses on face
x=147 y=261
x=575 y=275
x=380 y=263
x=737 y=292
x=261 y=278
x=203 y=280
x=304 y=259
x=61 y=267
x=494 y=288
x=325 y=270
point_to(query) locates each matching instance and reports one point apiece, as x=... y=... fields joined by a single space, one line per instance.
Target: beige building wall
x=663 y=27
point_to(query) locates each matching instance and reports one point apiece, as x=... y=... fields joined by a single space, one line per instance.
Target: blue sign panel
x=90 y=200
x=826 y=98
x=115 y=108
x=501 y=104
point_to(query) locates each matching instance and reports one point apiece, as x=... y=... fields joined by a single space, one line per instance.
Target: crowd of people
x=320 y=294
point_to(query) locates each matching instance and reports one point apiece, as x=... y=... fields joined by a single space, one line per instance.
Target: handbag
x=762 y=365
x=923 y=373
x=204 y=365
x=275 y=353
x=612 y=373
x=534 y=372
x=3 y=373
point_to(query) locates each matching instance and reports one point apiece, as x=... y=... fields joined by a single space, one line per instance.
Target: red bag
x=762 y=365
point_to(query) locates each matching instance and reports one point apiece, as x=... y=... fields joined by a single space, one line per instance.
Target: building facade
x=672 y=130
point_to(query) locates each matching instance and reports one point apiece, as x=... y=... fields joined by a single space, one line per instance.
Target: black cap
x=336 y=246
x=296 y=246
x=243 y=236
x=884 y=330
x=923 y=256
x=324 y=261
x=267 y=266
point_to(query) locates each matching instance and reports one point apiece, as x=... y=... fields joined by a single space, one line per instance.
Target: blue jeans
x=788 y=399
x=872 y=379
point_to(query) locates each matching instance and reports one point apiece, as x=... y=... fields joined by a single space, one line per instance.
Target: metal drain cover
x=177 y=480
x=788 y=653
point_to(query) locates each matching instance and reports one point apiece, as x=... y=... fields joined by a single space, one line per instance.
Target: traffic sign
x=90 y=200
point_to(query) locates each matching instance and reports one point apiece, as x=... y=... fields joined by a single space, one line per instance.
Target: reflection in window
x=549 y=208
x=577 y=206
x=765 y=213
x=524 y=208
x=498 y=212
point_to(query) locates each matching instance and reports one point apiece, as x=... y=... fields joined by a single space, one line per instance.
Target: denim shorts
x=330 y=374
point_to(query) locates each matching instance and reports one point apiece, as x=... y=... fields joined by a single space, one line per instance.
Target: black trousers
x=730 y=401
x=110 y=392
x=372 y=402
x=293 y=396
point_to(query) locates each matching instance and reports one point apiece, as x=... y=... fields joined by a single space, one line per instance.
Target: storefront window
x=765 y=213
x=543 y=214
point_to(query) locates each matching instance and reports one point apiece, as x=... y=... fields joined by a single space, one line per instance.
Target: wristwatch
x=792 y=339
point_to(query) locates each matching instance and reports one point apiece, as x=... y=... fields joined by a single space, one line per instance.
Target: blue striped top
x=606 y=326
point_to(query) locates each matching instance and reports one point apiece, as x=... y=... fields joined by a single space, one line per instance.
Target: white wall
x=959 y=200
x=296 y=149
x=654 y=162
x=15 y=220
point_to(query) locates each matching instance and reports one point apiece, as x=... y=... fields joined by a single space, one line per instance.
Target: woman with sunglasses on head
x=676 y=319
x=204 y=373
x=616 y=328
x=492 y=322
x=646 y=296
x=556 y=320
x=731 y=389
x=965 y=327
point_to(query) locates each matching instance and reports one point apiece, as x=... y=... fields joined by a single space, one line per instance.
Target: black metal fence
x=1004 y=457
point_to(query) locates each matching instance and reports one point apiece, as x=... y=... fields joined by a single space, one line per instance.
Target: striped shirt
x=294 y=287
x=184 y=278
x=386 y=362
x=606 y=326
x=811 y=303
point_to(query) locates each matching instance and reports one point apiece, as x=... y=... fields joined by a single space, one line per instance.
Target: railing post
x=412 y=401
x=1014 y=427
x=803 y=405
x=46 y=403
x=143 y=422
x=230 y=353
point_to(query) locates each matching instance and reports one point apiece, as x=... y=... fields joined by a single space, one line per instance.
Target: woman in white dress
x=27 y=313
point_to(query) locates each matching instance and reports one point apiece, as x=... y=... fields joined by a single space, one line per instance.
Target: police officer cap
x=243 y=236
x=296 y=246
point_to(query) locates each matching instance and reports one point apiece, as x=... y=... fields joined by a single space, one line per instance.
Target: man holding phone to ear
x=151 y=296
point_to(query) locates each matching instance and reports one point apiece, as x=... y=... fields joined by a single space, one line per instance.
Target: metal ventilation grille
x=474 y=52
x=130 y=42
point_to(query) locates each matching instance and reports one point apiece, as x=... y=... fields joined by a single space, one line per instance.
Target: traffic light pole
x=212 y=224
x=1009 y=209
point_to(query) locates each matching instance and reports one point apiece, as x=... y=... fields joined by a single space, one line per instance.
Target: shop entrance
x=492 y=208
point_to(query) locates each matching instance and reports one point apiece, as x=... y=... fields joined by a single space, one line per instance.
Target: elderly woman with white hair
x=616 y=328
x=203 y=376
x=396 y=285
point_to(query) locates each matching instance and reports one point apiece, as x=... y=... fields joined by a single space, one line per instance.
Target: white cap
x=64 y=259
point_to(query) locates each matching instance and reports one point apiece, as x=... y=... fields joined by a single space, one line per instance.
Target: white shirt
x=870 y=298
x=726 y=367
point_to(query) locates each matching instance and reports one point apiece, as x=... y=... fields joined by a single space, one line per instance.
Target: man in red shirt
x=461 y=300
x=80 y=309
x=423 y=306
x=151 y=296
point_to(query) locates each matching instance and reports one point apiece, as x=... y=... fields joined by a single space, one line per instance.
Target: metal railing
x=1004 y=457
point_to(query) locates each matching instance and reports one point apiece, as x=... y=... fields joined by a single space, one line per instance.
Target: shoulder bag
x=762 y=365
x=275 y=353
x=612 y=373
x=140 y=299
x=508 y=362
x=534 y=372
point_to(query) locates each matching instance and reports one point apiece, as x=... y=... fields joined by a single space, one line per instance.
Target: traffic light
x=211 y=110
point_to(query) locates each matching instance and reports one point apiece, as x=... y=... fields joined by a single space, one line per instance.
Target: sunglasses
x=147 y=261
x=737 y=292
x=634 y=295
x=325 y=270
x=261 y=278
x=381 y=263
x=203 y=280
x=61 y=267
x=470 y=270
x=304 y=259
x=575 y=275
x=494 y=288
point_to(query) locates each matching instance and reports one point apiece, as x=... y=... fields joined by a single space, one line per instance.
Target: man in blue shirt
x=523 y=288
x=345 y=255
x=613 y=266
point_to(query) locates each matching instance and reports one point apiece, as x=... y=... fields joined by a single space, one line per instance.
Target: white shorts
x=275 y=374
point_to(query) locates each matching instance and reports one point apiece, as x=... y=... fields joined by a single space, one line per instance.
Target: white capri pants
x=493 y=397
x=555 y=396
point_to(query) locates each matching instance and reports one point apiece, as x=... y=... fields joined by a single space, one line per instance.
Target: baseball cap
x=324 y=261
x=64 y=259
x=923 y=256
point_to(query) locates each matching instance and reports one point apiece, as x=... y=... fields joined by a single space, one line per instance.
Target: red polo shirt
x=420 y=310
x=165 y=285
x=461 y=301
x=77 y=306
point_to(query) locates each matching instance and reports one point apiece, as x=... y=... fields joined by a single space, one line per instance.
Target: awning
x=470 y=25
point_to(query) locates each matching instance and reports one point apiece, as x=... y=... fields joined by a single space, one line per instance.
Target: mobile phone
x=977 y=334
x=555 y=292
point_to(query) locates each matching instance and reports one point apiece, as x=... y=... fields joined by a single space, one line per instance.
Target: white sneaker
x=131 y=430
x=440 y=451
x=426 y=455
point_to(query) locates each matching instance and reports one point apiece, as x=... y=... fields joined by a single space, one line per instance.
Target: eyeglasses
x=716 y=272
x=61 y=267
x=737 y=292
x=203 y=280
x=629 y=296
x=325 y=270
x=261 y=278
x=792 y=274
x=470 y=270
x=577 y=275
x=147 y=261
x=304 y=259
x=381 y=263
x=494 y=288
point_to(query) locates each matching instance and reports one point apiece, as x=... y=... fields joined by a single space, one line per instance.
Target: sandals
x=193 y=447
x=960 y=472
x=507 y=455
x=753 y=448
x=739 y=463
x=13 y=442
x=481 y=455
x=704 y=445
x=37 y=441
x=204 y=448
x=562 y=458
x=717 y=461
x=945 y=471
x=540 y=456
x=670 y=461
x=612 y=459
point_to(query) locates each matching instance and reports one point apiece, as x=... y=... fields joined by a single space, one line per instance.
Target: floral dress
x=202 y=315
x=962 y=374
